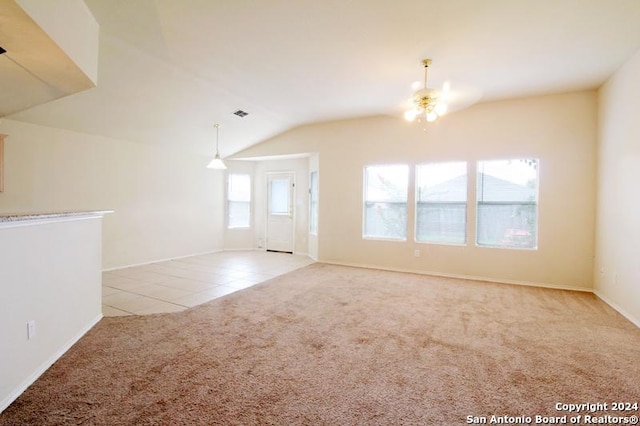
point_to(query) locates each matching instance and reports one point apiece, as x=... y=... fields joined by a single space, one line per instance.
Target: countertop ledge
x=26 y=218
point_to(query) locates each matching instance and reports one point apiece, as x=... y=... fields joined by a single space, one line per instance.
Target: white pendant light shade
x=217 y=163
x=440 y=109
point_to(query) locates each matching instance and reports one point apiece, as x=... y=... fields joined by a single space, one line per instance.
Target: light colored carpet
x=344 y=346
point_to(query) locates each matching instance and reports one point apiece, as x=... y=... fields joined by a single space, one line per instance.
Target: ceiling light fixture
x=217 y=162
x=426 y=102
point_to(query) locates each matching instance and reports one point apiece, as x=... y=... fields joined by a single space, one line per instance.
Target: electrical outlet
x=416 y=253
x=31 y=329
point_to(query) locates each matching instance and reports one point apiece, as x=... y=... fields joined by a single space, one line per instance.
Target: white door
x=280 y=213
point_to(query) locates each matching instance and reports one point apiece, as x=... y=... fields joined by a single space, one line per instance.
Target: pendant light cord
x=217 y=126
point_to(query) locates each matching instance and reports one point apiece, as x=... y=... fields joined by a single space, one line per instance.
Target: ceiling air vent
x=240 y=113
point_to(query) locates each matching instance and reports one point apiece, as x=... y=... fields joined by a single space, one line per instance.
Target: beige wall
x=167 y=204
x=617 y=268
x=560 y=130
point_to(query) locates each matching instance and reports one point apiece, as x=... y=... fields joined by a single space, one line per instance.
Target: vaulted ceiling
x=170 y=69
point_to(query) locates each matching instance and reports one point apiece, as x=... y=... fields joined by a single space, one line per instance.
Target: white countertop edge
x=18 y=220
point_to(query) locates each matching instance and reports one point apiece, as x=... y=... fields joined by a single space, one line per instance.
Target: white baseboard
x=45 y=365
x=162 y=260
x=295 y=253
x=195 y=254
x=618 y=308
x=459 y=276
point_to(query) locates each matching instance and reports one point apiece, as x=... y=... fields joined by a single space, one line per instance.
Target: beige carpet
x=334 y=345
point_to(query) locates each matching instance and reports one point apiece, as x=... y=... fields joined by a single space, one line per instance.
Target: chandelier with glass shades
x=217 y=162
x=426 y=103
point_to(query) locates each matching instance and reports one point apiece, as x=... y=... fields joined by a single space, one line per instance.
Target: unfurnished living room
x=292 y=212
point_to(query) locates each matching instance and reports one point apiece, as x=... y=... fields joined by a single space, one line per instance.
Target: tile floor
x=179 y=284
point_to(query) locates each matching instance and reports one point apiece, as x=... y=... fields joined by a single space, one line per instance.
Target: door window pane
x=279 y=196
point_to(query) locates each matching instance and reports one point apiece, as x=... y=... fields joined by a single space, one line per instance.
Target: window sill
x=397 y=240
x=507 y=247
x=433 y=243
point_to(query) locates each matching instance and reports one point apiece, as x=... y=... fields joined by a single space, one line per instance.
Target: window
x=507 y=192
x=239 y=201
x=441 y=203
x=313 y=203
x=385 y=201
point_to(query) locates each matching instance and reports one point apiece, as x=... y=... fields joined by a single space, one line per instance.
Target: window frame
x=365 y=203
x=314 y=188
x=233 y=201
x=464 y=203
x=535 y=203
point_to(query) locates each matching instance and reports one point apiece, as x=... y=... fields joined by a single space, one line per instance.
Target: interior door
x=280 y=212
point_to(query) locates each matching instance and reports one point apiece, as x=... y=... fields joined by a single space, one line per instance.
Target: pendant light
x=217 y=162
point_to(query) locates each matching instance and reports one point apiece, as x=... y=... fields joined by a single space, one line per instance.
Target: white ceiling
x=170 y=69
